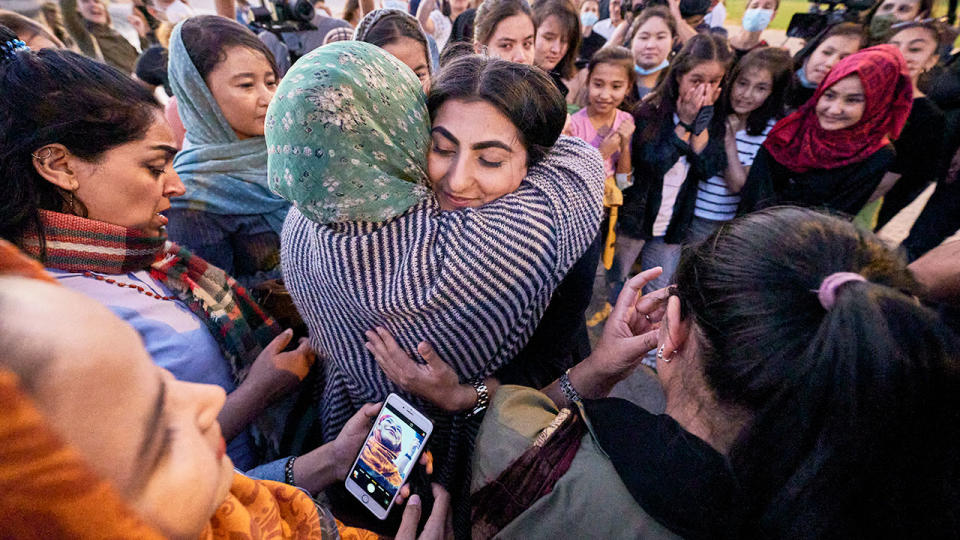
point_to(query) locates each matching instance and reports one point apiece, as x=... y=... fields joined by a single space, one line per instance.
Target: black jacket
x=844 y=189
x=652 y=158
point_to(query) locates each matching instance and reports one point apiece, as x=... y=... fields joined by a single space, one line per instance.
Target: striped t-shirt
x=715 y=201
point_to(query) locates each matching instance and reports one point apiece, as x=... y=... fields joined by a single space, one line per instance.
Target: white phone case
x=391 y=449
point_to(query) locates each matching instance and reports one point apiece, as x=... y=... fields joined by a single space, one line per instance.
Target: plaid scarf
x=76 y=244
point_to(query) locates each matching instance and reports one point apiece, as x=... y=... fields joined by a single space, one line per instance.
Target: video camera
x=291 y=22
x=808 y=25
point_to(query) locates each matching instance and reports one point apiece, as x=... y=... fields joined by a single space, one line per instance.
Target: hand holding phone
x=392 y=447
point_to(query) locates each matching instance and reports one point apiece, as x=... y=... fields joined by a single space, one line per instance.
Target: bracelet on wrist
x=483 y=397
x=288 y=471
x=566 y=387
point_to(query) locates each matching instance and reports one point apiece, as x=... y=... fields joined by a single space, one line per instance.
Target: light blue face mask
x=757 y=20
x=804 y=82
x=644 y=72
x=588 y=18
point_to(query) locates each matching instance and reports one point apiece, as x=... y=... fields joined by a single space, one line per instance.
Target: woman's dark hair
x=394 y=25
x=491 y=12
x=524 y=94
x=57 y=96
x=462 y=30
x=778 y=63
x=455 y=50
x=207 y=38
x=569 y=19
x=842 y=29
x=662 y=103
x=26 y=28
x=850 y=409
x=151 y=68
x=654 y=12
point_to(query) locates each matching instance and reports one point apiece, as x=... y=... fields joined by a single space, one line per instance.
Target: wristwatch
x=483 y=397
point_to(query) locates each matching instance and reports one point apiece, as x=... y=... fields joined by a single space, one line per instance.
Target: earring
x=660 y=357
x=71 y=201
x=46 y=153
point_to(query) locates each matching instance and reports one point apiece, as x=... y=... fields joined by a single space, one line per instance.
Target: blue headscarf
x=222 y=174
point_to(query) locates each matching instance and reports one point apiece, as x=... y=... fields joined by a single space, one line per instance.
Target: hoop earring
x=660 y=357
x=44 y=156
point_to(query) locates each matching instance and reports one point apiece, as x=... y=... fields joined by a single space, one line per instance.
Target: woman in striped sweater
x=468 y=266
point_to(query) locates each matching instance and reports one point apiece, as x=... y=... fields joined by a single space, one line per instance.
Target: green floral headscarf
x=347 y=135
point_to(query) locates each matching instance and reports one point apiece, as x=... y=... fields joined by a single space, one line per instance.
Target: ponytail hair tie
x=828 y=288
x=9 y=48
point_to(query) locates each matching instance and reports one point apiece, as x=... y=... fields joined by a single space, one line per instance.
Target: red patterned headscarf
x=800 y=144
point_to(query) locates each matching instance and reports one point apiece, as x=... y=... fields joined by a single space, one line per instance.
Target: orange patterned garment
x=46 y=489
x=262 y=509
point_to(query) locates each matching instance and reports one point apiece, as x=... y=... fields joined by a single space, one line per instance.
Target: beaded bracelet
x=288 y=471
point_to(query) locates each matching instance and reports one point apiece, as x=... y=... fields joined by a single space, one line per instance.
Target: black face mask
x=880 y=27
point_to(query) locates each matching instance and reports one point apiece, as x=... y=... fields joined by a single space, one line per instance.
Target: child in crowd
x=606 y=127
x=399 y=34
x=920 y=148
x=756 y=18
x=223 y=78
x=833 y=152
x=753 y=102
x=818 y=57
x=592 y=41
x=672 y=151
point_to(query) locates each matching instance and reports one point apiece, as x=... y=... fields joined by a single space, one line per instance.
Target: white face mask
x=395 y=4
x=757 y=20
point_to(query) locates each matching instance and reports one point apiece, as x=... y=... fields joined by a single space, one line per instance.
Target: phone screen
x=388 y=455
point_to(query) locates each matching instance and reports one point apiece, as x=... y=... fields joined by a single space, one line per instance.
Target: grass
x=789 y=7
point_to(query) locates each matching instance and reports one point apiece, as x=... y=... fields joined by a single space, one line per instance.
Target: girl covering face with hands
x=752 y=103
x=677 y=144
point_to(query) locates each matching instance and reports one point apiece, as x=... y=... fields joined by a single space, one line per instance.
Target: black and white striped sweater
x=474 y=283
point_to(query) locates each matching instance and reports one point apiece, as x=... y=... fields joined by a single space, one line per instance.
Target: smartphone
x=392 y=448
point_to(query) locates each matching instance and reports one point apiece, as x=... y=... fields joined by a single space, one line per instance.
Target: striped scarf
x=77 y=244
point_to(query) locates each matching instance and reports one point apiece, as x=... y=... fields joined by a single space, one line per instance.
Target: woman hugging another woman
x=455 y=235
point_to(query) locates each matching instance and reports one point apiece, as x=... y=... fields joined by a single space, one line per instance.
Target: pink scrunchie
x=828 y=288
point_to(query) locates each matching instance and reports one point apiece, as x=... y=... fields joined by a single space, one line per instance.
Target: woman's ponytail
x=855 y=399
